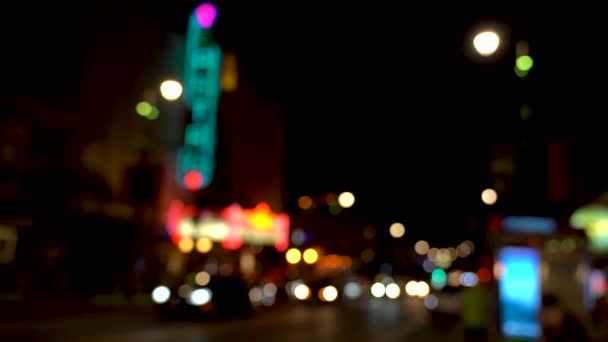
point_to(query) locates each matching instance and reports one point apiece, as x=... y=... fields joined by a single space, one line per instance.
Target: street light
x=486 y=43
x=489 y=196
x=171 y=90
x=346 y=199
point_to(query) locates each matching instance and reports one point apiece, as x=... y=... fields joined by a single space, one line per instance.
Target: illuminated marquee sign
x=232 y=226
x=196 y=159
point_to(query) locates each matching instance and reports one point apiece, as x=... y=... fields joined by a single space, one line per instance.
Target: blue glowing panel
x=519 y=292
x=529 y=224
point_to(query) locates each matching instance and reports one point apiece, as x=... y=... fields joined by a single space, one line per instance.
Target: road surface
x=370 y=320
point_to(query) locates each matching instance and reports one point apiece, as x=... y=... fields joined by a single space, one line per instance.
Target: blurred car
x=222 y=297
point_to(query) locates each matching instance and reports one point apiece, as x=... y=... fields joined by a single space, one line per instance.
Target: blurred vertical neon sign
x=196 y=158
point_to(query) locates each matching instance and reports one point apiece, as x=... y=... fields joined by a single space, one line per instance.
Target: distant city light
x=377 y=290
x=524 y=63
x=204 y=245
x=153 y=114
x=305 y=202
x=161 y=294
x=346 y=199
x=205 y=15
x=301 y=292
x=489 y=196
x=293 y=256
x=171 y=90
x=397 y=230
x=298 y=237
x=186 y=244
x=193 y=180
x=310 y=256
x=421 y=247
x=392 y=291
x=486 y=43
x=143 y=108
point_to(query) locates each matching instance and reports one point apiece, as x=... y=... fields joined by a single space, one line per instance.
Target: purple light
x=205 y=15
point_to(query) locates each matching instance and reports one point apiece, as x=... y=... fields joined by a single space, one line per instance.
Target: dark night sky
x=382 y=101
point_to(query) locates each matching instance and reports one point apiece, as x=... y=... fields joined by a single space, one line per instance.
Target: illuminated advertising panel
x=232 y=226
x=519 y=292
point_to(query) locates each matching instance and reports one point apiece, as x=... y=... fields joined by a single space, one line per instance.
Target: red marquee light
x=193 y=180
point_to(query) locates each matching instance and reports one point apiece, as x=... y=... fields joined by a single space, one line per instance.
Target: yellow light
x=293 y=256
x=204 y=245
x=186 y=244
x=489 y=196
x=397 y=230
x=171 y=90
x=310 y=256
x=346 y=199
x=202 y=278
x=261 y=220
x=486 y=43
x=230 y=74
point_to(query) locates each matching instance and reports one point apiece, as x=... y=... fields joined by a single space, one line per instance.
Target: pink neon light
x=234 y=217
x=174 y=216
x=205 y=15
x=239 y=220
x=281 y=222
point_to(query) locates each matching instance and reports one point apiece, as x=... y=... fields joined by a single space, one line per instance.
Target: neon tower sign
x=196 y=158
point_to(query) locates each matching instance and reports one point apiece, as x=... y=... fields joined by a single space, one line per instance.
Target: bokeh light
x=486 y=43
x=489 y=196
x=186 y=244
x=193 y=180
x=310 y=256
x=143 y=108
x=524 y=63
x=421 y=247
x=204 y=245
x=346 y=199
x=171 y=90
x=377 y=290
x=293 y=256
x=397 y=230
x=305 y=202
x=205 y=15
x=202 y=278
x=392 y=291
x=301 y=292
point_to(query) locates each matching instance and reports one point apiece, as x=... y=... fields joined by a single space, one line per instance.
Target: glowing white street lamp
x=171 y=90
x=489 y=196
x=486 y=43
x=346 y=199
